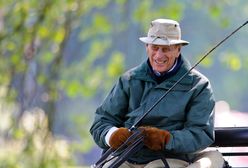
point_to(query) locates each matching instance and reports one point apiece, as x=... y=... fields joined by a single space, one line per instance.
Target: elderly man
x=180 y=126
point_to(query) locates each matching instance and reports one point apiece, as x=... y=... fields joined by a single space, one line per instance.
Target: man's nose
x=159 y=52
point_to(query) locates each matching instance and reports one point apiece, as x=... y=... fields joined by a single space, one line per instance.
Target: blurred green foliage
x=53 y=52
x=31 y=144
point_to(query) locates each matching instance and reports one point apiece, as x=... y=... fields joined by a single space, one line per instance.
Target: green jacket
x=186 y=112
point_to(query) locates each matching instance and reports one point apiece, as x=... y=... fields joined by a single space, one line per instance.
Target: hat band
x=160 y=37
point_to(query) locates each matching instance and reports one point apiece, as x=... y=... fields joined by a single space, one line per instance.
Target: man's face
x=162 y=57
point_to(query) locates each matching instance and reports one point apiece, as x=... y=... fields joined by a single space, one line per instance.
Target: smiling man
x=180 y=127
x=162 y=58
x=163 y=44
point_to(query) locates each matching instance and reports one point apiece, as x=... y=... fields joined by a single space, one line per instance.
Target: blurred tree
x=31 y=144
x=33 y=40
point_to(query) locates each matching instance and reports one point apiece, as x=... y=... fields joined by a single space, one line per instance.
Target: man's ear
x=146 y=47
x=179 y=50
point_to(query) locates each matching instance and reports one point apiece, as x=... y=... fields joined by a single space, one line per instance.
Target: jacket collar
x=142 y=73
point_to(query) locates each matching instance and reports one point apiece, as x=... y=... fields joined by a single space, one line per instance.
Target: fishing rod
x=137 y=144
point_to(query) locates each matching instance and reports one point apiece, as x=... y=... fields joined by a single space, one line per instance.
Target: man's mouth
x=160 y=62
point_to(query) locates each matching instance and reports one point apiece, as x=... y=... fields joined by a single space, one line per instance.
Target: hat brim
x=159 y=41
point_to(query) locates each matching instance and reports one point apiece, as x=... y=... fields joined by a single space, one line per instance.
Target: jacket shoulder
x=199 y=76
x=137 y=71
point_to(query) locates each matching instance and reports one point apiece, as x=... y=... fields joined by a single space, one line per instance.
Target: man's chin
x=160 y=70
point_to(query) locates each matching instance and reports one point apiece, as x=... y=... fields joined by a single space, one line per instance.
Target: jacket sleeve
x=198 y=131
x=109 y=114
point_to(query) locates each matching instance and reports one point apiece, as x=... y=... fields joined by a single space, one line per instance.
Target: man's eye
x=155 y=48
x=166 y=49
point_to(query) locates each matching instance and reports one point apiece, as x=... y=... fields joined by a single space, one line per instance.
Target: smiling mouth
x=160 y=62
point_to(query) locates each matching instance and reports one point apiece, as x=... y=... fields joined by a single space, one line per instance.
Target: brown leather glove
x=155 y=139
x=119 y=137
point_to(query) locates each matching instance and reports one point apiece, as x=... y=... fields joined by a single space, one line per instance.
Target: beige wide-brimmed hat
x=164 y=32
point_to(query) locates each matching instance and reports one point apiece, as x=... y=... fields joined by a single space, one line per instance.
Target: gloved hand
x=155 y=139
x=119 y=137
